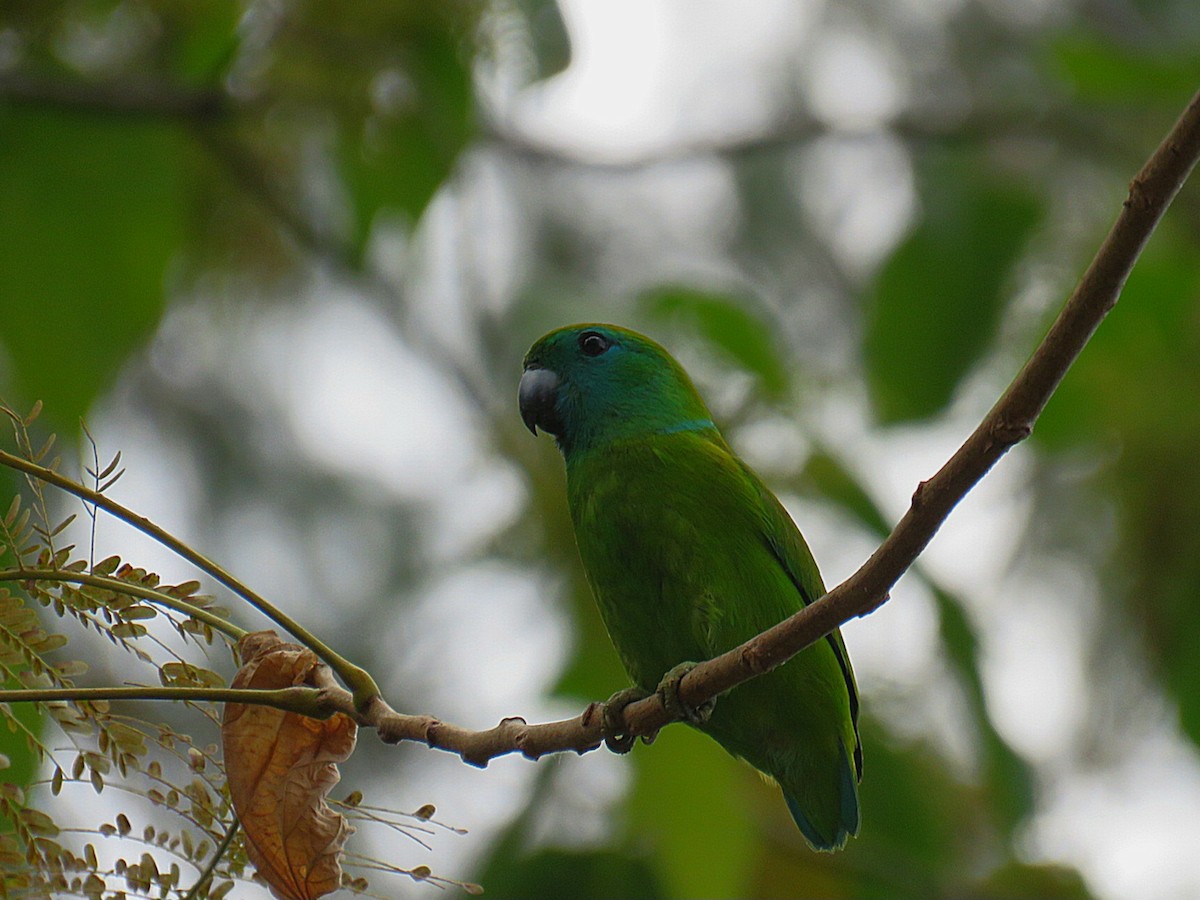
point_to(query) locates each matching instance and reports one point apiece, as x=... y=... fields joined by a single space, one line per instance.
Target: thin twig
x=210 y=870
x=306 y=701
x=118 y=586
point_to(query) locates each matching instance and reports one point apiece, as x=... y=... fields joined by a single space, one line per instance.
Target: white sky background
x=647 y=75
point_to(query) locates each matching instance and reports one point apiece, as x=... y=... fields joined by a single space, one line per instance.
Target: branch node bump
x=477 y=758
x=874 y=604
x=1137 y=193
x=752 y=659
x=918 y=495
x=388 y=731
x=595 y=708
x=1006 y=433
x=429 y=731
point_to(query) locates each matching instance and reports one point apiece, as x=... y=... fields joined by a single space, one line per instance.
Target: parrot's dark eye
x=592 y=343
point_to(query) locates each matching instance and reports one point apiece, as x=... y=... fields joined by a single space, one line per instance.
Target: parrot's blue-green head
x=590 y=385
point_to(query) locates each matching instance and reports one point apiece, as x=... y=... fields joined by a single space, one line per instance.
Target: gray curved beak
x=538 y=396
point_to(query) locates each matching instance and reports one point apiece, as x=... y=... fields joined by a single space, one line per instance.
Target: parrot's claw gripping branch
x=617 y=738
x=674 y=704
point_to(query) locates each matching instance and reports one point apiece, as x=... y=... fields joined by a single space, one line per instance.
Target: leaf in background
x=826 y=477
x=513 y=869
x=1008 y=777
x=936 y=303
x=22 y=760
x=1125 y=393
x=920 y=826
x=400 y=146
x=15 y=746
x=553 y=873
x=1045 y=881
x=690 y=804
x=90 y=215
x=1104 y=71
x=199 y=39
x=280 y=767
x=725 y=323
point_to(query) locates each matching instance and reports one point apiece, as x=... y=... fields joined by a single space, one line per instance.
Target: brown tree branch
x=1010 y=421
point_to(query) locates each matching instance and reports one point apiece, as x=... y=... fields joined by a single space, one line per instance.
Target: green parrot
x=689 y=554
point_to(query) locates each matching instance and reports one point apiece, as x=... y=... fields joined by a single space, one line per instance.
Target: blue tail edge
x=849 y=816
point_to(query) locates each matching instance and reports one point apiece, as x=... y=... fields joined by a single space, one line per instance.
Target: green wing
x=689 y=555
x=790 y=548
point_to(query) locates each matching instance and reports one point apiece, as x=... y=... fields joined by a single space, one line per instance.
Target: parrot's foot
x=668 y=692
x=615 y=738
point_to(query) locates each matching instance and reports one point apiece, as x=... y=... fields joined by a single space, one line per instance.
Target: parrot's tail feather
x=848 y=819
x=818 y=841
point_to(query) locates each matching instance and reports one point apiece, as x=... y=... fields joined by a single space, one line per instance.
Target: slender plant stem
x=357 y=679
x=133 y=590
x=211 y=869
x=306 y=701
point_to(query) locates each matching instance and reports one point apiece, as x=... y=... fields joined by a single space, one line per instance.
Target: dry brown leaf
x=280 y=767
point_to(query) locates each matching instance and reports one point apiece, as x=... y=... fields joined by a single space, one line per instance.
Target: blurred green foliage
x=728 y=327
x=263 y=141
x=201 y=123
x=1126 y=397
x=91 y=212
x=937 y=301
